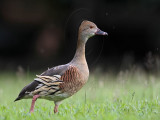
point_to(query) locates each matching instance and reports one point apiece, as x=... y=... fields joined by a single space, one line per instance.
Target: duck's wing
x=45 y=84
x=58 y=70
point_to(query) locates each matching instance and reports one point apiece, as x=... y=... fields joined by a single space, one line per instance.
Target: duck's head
x=88 y=29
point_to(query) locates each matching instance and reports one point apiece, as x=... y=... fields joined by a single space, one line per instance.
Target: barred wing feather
x=42 y=85
x=49 y=85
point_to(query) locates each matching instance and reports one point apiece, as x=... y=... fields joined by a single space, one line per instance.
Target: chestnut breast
x=73 y=79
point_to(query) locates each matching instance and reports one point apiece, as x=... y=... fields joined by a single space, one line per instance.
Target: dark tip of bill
x=105 y=33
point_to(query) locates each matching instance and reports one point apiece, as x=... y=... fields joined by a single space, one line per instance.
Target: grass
x=125 y=96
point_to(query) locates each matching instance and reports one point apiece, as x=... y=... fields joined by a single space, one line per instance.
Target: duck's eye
x=91 y=27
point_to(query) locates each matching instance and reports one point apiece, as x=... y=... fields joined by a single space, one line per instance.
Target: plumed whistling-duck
x=61 y=82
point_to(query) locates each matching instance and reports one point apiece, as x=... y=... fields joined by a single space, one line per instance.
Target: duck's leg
x=56 y=106
x=33 y=103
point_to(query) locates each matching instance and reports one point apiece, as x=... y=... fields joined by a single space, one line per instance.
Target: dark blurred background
x=39 y=34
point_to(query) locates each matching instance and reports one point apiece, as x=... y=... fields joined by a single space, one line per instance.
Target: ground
x=128 y=95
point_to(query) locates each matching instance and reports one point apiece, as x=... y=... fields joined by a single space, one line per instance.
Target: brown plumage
x=72 y=81
x=63 y=81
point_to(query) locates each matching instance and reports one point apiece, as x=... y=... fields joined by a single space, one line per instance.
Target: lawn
x=128 y=95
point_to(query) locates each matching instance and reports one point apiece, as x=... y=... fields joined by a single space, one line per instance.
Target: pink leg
x=55 y=108
x=33 y=103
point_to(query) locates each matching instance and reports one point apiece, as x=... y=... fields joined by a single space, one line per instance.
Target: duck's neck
x=79 y=57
